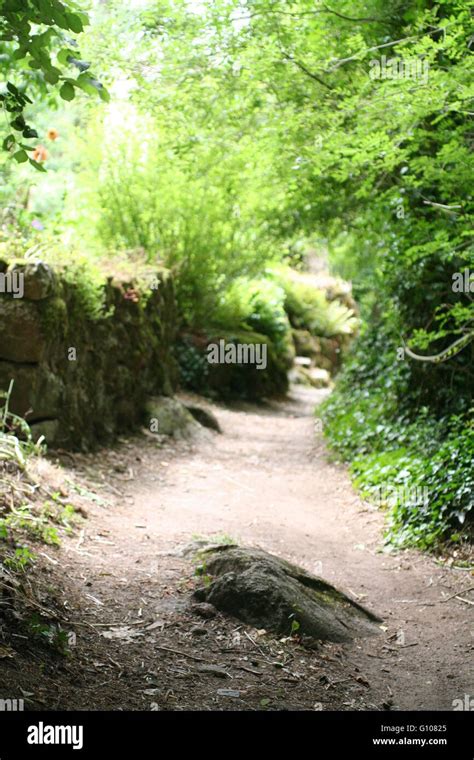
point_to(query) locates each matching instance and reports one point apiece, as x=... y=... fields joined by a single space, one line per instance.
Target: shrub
x=257 y=305
x=309 y=309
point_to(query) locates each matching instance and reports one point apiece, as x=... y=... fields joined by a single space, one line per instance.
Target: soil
x=126 y=575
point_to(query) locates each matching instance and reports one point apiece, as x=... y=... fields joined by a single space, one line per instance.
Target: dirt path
x=266 y=481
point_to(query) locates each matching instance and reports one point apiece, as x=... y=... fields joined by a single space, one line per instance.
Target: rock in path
x=205 y=417
x=268 y=592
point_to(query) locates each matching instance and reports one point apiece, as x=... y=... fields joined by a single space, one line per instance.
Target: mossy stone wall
x=82 y=377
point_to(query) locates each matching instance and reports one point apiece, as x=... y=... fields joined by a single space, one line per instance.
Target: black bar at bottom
x=137 y=734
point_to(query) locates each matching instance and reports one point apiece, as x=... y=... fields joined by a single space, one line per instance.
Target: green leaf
x=52 y=75
x=46 y=11
x=20 y=52
x=104 y=95
x=74 y=23
x=67 y=91
x=36 y=165
x=29 y=133
x=21 y=156
x=9 y=142
x=91 y=86
x=19 y=123
x=13 y=6
x=64 y=55
x=85 y=84
x=59 y=17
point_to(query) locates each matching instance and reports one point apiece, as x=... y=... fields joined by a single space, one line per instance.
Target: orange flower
x=40 y=154
x=53 y=134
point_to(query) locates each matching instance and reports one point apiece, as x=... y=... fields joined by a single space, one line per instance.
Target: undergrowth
x=416 y=464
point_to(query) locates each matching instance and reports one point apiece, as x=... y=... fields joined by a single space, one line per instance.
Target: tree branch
x=362 y=53
x=443 y=356
x=306 y=71
x=367 y=20
x=302 y=14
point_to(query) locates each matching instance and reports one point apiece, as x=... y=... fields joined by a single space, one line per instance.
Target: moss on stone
x=123 y=356
x=54 y=317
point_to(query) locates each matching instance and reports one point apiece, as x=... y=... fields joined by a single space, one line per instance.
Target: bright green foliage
x=258 y=305
x=308 y=308
x=200 y=210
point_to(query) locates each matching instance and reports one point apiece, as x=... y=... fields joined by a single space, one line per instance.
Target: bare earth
x=126 y=580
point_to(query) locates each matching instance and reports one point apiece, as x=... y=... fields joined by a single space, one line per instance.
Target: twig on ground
x=183 y=654
x=456 y=594
x=461 y=599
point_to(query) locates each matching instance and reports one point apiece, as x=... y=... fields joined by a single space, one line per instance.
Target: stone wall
x=81 y=378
